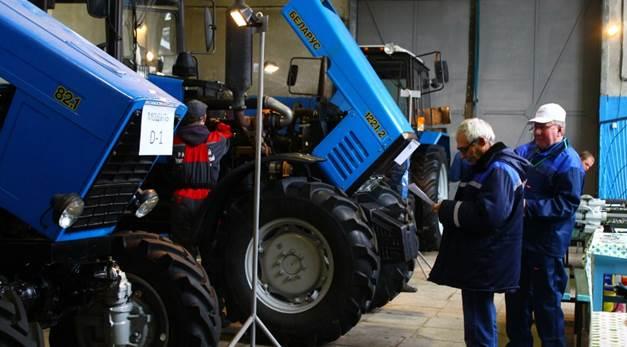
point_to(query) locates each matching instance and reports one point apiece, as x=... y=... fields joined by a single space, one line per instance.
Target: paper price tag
x=157 y=130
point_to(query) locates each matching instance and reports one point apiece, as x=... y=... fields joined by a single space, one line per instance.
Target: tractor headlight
x=146 y=201
x=67 y=209
x=389 y=48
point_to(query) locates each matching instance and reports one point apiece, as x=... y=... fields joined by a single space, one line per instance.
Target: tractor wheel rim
x=295 y=268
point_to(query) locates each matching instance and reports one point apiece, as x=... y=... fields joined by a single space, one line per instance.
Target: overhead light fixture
x=270 y=67
x=142 y=28
x=241 y=14
x=612 y=29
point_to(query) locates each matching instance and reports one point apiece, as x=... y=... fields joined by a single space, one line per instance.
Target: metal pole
x=262 y=26
x=258 y=141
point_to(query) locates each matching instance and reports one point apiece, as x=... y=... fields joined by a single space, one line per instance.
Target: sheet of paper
x=409 y=149
x=419 y=193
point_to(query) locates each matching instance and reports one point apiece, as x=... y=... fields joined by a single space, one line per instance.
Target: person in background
x=482 y=238
x=587 y=160
x=552 y=194
x=196 y=168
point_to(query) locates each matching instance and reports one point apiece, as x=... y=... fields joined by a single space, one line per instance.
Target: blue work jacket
x=552 y=194
x=482 y=239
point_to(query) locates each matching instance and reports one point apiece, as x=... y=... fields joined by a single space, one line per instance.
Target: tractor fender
x=436 y=138
x=222 y=192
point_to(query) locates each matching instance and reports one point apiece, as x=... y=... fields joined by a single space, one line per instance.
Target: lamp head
x=241 y=14
x=270 y=67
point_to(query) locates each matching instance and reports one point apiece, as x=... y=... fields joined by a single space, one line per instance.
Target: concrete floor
x=430 y=317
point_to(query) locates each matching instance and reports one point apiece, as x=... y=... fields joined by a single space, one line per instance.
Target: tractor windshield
x=75 y=16
x=149 y=35
x=149 y=41
x=393 y=74
x=400 y=71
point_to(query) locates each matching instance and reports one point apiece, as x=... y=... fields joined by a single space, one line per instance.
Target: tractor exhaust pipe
x=287 y=115
x=239 y=60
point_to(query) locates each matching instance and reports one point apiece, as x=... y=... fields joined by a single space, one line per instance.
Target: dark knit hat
x=195 y=111
x=196 y=108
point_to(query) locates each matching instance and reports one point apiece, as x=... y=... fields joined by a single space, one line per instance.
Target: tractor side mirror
x=97 y=8
x=292 y=75
x=210 y=28
x=44 y=4
x=313 y=79
x=441 y=71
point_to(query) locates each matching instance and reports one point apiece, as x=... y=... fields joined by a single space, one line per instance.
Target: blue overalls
x=481 y=245
x=552 y=194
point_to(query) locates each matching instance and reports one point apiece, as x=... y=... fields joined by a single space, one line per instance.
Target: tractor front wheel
x=317 y=263
x=429 y=170
x=169 y=289
x=15 y=330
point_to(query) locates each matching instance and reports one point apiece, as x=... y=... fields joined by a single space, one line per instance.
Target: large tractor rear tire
x=317 y=265
x=393 y=274
x=168 y=285
x=15 y=330
x=429 y=170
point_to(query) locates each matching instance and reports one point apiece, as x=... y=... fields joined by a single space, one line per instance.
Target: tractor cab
x=410 y=81
x=149 y=32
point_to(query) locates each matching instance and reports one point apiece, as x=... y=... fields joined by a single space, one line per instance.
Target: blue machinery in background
x=374 y=130
x=613 y=145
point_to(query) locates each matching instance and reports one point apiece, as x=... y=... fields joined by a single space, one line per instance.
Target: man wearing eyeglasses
x=481 y=245
x=552 y=193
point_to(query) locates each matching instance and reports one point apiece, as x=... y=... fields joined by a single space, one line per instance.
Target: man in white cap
x=552 y=193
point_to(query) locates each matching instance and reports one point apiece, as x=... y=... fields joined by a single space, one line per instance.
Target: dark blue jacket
x=458 y=168
x=552 y=193
x=482 y=240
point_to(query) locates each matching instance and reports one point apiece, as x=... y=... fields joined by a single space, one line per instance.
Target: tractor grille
x=123 y=172
x=348 y=155
x=397 y=241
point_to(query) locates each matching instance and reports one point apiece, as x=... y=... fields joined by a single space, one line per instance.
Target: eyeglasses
x=541 y=126
x=465 y=149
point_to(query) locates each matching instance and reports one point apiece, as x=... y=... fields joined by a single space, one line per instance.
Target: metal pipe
x=257 y=194
x=180 y=28
x=239 y=61
x=287 y=115
x=114 y=29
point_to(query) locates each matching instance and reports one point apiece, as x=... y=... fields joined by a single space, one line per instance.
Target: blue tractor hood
x=71 y=106
x=374 y=129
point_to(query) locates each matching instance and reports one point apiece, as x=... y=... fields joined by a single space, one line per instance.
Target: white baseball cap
x=549 y=113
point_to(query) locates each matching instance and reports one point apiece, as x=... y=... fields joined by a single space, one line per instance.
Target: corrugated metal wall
x=531 y=52
x=613 y=106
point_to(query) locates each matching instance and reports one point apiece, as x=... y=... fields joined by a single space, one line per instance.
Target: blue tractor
x=410 y=82
x=79 y=133
x=335 y=241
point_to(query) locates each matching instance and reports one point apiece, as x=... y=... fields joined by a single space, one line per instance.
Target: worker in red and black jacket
x=196 y=168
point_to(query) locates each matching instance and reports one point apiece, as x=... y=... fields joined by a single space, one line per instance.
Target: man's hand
x=436 y=208
x=265 y=149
